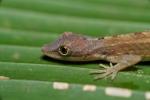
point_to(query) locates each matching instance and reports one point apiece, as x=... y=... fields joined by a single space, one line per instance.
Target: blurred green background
x=25 y=25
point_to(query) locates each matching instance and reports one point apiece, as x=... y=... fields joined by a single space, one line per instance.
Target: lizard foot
x=107 y=71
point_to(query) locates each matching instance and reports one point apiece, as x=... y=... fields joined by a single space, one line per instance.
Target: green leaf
x=26 y=25
x=37 y=90
x=72 y=74
x=32 y=21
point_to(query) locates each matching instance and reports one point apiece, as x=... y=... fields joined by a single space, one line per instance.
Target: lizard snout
x=45 y=49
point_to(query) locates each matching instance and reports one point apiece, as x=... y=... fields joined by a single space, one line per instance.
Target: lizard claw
x=107 y=71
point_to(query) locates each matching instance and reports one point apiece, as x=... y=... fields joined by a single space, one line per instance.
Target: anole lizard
x=123 y=50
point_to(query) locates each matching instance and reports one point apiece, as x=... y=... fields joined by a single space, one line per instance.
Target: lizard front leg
x=122 y=62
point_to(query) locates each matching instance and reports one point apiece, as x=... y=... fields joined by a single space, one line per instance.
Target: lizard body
x=123 y=50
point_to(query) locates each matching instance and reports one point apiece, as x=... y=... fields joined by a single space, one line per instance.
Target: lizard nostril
x=44 y=49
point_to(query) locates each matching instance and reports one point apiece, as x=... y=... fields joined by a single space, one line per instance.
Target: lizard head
x=70 y=47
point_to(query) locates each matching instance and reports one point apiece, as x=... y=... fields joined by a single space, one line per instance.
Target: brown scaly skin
x=123 y=50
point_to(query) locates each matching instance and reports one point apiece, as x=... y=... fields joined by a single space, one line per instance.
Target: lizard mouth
x=53 y=55
x=47 y=52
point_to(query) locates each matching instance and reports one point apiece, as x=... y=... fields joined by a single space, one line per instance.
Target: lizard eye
x=63 y=50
